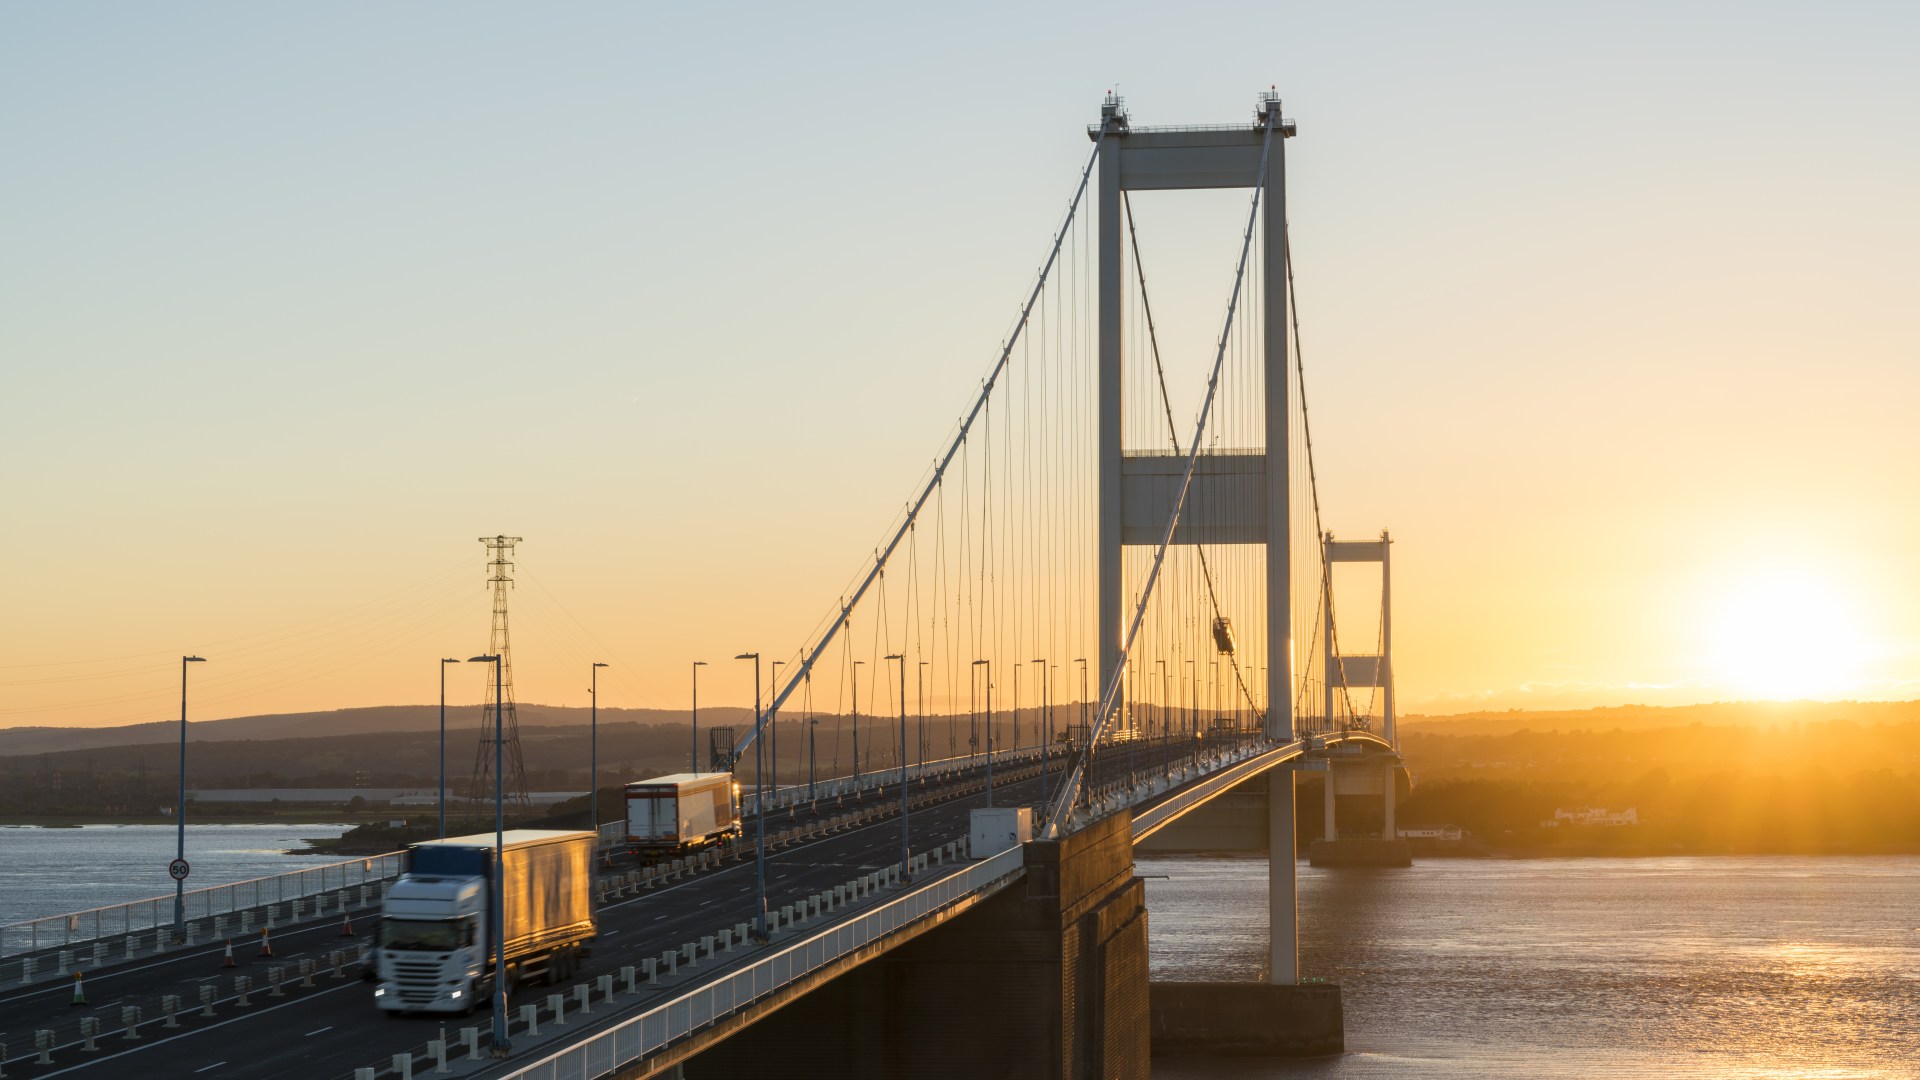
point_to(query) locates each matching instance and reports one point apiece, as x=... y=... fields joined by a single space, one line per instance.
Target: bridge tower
x=1235 y=498
x=1367 y=775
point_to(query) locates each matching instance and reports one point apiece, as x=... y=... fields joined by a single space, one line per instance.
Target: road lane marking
x=317 y=1031
x=215 y=1065
x=195 y=1031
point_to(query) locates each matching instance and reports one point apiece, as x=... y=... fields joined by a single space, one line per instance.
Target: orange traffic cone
x=346 y=925
x=79 y=994
x=266 y=943
x=228 y=962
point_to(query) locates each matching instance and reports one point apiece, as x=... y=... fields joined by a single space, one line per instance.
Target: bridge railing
x=153 y=913
x=680 y=1016
x=794 y=795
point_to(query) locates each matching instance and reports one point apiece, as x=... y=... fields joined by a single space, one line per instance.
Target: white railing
x=137 y=916
x=793 y=795
x=680 y=1016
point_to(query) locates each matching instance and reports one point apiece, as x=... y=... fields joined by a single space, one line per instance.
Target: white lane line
x=215 y=1065
x=317 y=1031
x=195 y=1031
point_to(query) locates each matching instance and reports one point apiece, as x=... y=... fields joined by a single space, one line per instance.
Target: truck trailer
x=669 y=816
x=437 y=952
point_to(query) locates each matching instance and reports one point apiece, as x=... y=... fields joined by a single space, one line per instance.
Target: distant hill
x=1652 y=717
x=384 y=719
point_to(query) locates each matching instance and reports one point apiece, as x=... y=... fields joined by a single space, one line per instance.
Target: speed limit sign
x=177 y=869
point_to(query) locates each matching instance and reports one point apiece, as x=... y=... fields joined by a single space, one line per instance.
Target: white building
x=1586 y=816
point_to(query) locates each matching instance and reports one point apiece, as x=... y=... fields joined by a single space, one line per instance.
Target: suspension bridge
x=1109 y=603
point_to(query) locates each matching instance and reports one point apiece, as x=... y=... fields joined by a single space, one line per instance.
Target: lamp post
x=906 y=856
x=695 y=761
x=759 y=807
x=920 y=710
x=1046 y=713
x=178 y=870
x=773 y=725
x=1166 y=718
x=989 y=667
x=593 y=753
x=501 y=1047
x=444 y=661
x=1082 y=661
x=856 y=729
x=811 y=725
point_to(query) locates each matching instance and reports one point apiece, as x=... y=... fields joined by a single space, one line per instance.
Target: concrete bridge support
x=1047 y=981
x=1372 y=841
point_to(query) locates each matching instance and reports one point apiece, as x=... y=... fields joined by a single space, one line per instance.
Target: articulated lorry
x=669 y=816
x=437 y=952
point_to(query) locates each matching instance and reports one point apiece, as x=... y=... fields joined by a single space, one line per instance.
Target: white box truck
x=669 y=816
x=436 y=951
x=994 y=829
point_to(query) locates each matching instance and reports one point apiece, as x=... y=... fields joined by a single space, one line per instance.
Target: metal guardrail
x=137 y=916
x=661 y=1025
x=796 y=794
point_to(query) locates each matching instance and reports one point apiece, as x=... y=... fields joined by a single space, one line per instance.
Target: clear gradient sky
x=1610 y=309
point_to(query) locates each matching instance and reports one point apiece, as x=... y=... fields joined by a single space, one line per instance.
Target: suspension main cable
x=959 y=439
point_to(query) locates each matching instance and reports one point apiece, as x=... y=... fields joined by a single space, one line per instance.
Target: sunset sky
x=1610 y=318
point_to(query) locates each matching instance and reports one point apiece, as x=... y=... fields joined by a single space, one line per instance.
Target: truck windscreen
x=436 y=935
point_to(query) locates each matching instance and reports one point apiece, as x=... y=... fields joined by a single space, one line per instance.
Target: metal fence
x=60 y=931
x=796 y=794
x=681 y=1016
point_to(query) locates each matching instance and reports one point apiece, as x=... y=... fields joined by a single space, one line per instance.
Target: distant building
x=1589 y=816
x=1439 y=833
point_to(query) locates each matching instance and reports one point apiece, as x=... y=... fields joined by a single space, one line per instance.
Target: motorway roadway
x=330 y=1029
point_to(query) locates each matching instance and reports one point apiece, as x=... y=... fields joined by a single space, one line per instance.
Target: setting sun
x=1785 y=633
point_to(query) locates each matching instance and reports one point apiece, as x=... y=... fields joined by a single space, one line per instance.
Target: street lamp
x=1082 y=661
x=773 y=725
x=501 y=1047
x=920 y=707
x=178 y=869
x=856 y=729
x=1046 y=712
x=697 y=665
x=444 y=661
x=759 y=806
x=593 y=753
x=906 y=857
x=989 y=667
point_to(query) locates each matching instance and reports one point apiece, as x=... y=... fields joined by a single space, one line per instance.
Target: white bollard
x=130 y=1019
x=437 y=1050
x=306 y=971
x=530 y=1019
x=89 y=1028
x=558 y=1003
x=207 y=993
x=627 y=974
x=275 y=976
x=687 y=954
x=43 y=1042
x=170 y=1004
x=652 y=967
x=363 y=1074
x=99 y=953
x=242 y=984
x=26 y=971
x=706 y=946
x=583 y=999
x=726 y=941
x=64 y=957
x=470 y=1038
x=403 y=1066
x=606 y=986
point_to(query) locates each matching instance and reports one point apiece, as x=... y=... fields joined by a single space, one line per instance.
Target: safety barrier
x=156 y=913
x=680 y=1016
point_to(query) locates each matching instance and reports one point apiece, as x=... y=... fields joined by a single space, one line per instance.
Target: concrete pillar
x=1331 y=832
x=1109 y=245
x=1281 y=723
x=1283 y=867
x=1388 y=831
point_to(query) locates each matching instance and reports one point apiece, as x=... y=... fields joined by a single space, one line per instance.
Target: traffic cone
x=79 y=991
x=346 y=925
x=228 y=962
x=266 y=943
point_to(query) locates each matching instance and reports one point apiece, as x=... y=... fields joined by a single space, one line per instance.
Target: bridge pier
x=1045 y=981
x=1374 y=777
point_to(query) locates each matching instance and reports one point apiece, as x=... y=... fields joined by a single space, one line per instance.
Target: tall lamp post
x=759 y=807
x=178 y=869
x=856 y=729
x=593 y=753
x=989 y=667
x=906 y=856
x=773 y=724
x=1082 y=661
x=444 y=661
x=694 y=761
x=1046 y=713
x=501 y=1047
x=920 y=707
